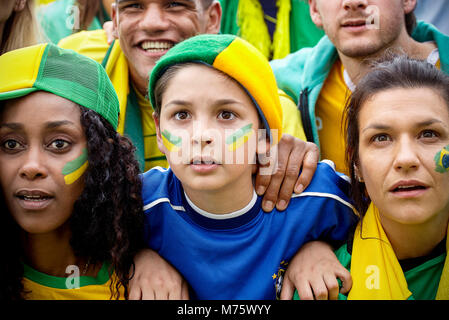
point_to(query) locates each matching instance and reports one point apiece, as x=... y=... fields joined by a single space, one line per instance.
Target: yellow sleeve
x=292 y=123
x=92 y=44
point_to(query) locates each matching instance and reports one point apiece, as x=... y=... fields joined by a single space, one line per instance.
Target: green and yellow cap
x=238 y=59
x=62 y=72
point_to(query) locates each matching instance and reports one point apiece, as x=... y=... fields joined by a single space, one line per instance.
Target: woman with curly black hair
x=71 y=195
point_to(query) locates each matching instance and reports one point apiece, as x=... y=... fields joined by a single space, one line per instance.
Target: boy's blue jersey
x=243 y=257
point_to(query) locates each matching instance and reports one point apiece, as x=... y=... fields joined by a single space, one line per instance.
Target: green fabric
x=309 y=67
x=79 y=79
x=60 y=282
x=422 y=280
x=203 y=48
x=56 y=19
x=16 y=93
x=75 y=77
x=303 y=32
x=133 y=127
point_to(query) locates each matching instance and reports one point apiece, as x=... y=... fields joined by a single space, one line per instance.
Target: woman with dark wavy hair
x=398 y=156
x=71 y=195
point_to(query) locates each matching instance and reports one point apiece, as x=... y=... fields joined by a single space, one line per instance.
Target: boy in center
x=212 y=96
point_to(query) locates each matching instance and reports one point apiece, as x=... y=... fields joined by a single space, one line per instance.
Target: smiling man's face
x=147 y=29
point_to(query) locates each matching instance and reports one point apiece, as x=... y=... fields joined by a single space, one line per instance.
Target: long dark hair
x=107 y=220
x=393 y=71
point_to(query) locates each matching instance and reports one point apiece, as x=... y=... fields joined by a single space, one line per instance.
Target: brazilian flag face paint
x=239 y=138
x=171 y=142
x=74 y=169
x=442 y=160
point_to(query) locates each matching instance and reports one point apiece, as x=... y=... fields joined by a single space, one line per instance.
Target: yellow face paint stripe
x=72 y=177
x=239 y=138
x=241 y=141
x=171 y=142
x=75 y=168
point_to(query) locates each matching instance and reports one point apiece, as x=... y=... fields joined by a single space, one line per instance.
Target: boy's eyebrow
x=124 y=1
x=222 y=102
x=219 y=102
x=178 y=103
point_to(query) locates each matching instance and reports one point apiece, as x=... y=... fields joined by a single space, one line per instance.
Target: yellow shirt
x=329 y=114
x=292 y=123
x=40 y=286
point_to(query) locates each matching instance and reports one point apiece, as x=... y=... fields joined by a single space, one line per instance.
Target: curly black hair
x=107 y=220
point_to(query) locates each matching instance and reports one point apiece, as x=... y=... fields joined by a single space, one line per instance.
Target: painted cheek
x=74 y=169
x=442 y=160
x=172 y=142
x=239 y=138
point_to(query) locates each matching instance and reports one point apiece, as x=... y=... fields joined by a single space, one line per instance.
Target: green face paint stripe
x=175 y=140
x=239 y=133
x=74 y=165
x=442 y=160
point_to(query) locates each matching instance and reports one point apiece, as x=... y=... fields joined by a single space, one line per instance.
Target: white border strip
x=156 y=202
x=325 y=195
x=223 y=216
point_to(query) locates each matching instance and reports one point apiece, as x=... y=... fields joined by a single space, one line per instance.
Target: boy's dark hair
x=393 y=71
x=162 y=83
x=107 y=220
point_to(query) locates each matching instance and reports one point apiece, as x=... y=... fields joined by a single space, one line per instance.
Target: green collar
x=60 y=282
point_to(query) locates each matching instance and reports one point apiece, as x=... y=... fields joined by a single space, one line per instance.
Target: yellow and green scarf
x=250 y=19
x=375 y=270
x=130 y=124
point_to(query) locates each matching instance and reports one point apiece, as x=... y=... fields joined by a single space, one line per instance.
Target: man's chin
x=360 y=50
